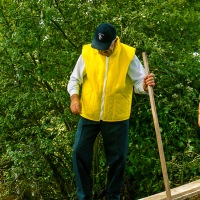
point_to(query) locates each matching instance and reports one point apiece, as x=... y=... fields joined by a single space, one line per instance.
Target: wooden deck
x=179 y=193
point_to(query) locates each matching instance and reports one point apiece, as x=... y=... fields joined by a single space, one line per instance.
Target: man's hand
x=148 y=80
x=75 y=104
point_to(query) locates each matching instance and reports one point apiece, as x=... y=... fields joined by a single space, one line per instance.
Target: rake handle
x=157 y=129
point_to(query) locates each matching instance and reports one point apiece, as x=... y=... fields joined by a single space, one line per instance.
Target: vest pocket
x=118 y=107
x=90 y=106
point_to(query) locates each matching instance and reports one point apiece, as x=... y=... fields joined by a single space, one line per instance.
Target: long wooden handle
x=157 y=129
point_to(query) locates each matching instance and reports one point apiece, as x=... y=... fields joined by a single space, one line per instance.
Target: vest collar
x=117 y=48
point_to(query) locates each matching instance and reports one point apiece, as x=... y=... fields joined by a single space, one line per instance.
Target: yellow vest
x=110 y=84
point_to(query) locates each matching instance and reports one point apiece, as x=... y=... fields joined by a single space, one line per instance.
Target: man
x=106 y=70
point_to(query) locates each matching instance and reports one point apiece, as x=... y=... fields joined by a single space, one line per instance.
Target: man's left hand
x=148 y=80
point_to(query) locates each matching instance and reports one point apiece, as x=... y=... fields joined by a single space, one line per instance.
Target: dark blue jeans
x=115 y=140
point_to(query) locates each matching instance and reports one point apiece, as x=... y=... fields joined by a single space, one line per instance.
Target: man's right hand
x=75 y=104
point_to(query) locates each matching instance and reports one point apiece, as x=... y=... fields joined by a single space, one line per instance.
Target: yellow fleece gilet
x=112 y=83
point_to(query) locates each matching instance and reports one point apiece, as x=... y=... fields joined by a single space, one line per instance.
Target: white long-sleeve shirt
x=135 y=71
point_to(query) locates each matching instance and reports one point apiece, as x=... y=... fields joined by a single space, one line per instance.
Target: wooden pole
x=157 y=129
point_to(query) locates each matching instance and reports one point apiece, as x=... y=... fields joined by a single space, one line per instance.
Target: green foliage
x=40 y=42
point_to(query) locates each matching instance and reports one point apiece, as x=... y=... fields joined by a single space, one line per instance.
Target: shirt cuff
x=72 y=92
x=139 y=89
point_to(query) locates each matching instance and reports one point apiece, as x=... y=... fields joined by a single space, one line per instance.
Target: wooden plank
x=179 y=193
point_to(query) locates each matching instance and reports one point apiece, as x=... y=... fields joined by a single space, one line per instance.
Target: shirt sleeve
x=76 y=78
x=136 y=72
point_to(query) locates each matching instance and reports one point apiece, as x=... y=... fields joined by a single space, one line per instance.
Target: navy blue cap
x=104 y=34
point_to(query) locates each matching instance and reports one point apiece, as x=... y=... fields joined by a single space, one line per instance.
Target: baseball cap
x=104 y=34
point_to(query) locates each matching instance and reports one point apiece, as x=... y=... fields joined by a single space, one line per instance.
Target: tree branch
x=65 y=36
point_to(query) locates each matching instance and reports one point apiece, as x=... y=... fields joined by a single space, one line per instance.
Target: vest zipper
x=104 y=88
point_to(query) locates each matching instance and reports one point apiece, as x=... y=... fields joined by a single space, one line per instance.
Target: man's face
x=109 y=51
